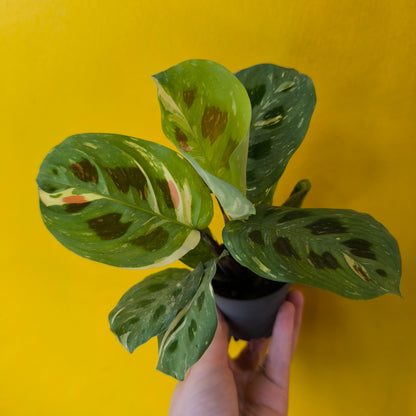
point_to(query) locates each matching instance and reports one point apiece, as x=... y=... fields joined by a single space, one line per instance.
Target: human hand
x=256 y=383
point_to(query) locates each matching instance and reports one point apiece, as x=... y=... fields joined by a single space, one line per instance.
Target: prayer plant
x=131 y=203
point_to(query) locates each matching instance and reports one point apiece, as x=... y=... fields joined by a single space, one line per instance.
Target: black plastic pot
x=252 y=318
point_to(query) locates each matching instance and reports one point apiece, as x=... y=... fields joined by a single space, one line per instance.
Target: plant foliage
x=132 y=203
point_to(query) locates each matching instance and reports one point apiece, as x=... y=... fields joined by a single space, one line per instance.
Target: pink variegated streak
x=174 y=194
x=75 y=199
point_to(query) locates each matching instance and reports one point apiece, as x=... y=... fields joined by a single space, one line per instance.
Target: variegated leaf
x=343 y=251
x=122 y=201
x=282 y=102
x=149 y=307
x=206 y=113
x=231 y=199
x=191 y=332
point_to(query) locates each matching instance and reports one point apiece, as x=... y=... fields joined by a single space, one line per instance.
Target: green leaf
x=282 y=102
x=191 y=332
x=200 y=254
x=122 y=201
x=298 y=194
x=230 y=198
x=149 y=307
x=206 y=113
x=343 y=251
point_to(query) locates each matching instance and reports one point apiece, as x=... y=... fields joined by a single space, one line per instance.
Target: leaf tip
x=396 y=291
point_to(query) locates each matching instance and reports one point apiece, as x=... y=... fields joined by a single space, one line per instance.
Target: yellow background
x=70 y=66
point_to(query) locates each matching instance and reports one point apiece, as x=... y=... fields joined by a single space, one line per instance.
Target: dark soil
x=235 y=281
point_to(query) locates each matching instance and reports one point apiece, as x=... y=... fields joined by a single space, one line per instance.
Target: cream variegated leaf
x=282 y=101
x=192 y=330
x=149 y=307
x=206 y=113
x=122 y=201
x=343 y=251
x=230 y=198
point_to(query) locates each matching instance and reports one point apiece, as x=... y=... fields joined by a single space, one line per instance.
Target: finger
x=253 y=354
x=296 y=298
x=277 y=364
x=223 y=331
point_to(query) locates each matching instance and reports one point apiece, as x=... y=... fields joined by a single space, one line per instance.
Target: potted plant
x=135 y=204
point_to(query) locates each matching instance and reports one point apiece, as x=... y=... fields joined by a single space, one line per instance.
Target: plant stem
x=213 y=245
x=217 y=249
x=224 y=215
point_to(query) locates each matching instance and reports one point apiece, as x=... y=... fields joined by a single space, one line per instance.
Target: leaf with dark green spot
x=149 y=307
x=282 y=102
x=192 y=330
x=206 y=113
x=122 y=201
x=343 y=251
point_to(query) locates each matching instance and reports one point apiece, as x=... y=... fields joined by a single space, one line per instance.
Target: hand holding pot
x=255 y=383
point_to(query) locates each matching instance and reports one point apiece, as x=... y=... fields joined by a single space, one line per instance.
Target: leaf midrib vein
x=151 y=213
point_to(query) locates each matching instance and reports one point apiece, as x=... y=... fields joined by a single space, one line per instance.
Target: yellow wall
x=69 y=66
